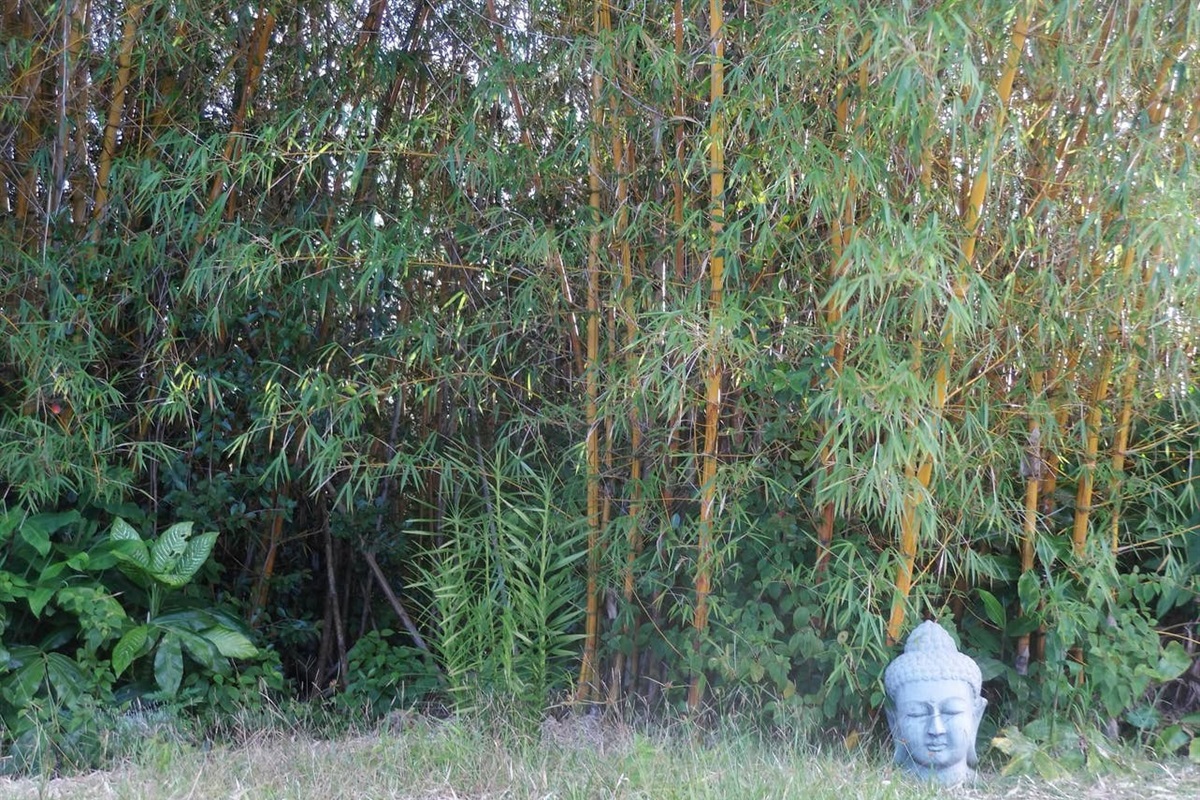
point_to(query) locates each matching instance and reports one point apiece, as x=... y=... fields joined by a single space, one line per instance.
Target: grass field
x=573 y=758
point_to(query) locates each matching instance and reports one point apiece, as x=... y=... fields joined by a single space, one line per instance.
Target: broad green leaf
x=188 y=619
x=66 y=677
x=129 y=648
x=1144 y=717
x=1172 y=738
x=36 y=537
x=130 y=547
x=201 y=649
x=133 y=554
x=1194 y=750
x=167 y=549
x=1173 y=662
x=991 y=667
x=1026 y=623
x=192 y=558
x=36 y=530
x=993 y=608
x=1029 y=589
x=168 y=664
x=231 y=643
x=49 y=575
x=9 y=520
x=122 y=531
x=22 y=685
x=39 y=597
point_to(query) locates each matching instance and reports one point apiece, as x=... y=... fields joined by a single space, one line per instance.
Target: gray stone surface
x=934 y=706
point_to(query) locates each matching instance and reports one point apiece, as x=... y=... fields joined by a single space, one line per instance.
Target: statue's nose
x=936 y=726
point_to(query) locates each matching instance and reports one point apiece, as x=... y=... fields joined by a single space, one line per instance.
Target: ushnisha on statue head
x=935 y=706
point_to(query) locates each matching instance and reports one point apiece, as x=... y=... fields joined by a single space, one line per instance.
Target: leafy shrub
x=81 y=611
x=383 y=676
x=503 y=586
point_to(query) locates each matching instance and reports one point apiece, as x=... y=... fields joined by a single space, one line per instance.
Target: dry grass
x=576 y=758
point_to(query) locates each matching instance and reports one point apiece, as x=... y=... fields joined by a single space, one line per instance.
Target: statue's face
x=935 y=722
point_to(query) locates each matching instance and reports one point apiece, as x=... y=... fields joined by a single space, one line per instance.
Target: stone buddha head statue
x=935 y=706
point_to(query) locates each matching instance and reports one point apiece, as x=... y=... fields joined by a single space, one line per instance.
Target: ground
x=572 y=758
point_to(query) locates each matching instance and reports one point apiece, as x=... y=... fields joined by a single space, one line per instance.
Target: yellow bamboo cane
x=116 y=109
x=623 y=158
x=714 y=371
x=587 y=687
x=841 y=234
x=918 y=479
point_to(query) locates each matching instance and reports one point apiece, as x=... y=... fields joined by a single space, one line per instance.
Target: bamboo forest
x=672 y=357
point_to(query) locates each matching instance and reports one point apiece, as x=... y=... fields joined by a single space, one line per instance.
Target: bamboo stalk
x=623 y=158
x=677 y=196
x=1155 y=110
x=715 y=371
x=587 y=687
x=331 y=588
x=1084 y=489
x=972 y=217
x=116 y=110
x=1034 y=472
x=31 y=87
x=78 y=109
x=1048 y=485
x=274 y=536
x=1121 y=447
x=369 y=31
x=255 y=58
x=554 y=258
x=841 y=234
x=394 y=601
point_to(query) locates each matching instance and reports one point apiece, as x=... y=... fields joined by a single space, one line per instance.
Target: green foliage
x=384 y=676
x=58 y=619
x=1052 y=749
x=210 y=638
x=325 y=281
x=503 y=586
x=74 y=628
x=1183 y=735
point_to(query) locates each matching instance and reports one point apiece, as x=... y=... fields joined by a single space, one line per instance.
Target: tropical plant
x=158 y=566
x=71 y=628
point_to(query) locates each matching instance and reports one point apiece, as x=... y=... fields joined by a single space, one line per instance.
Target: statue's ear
x=972 y=755
x=900 y=754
